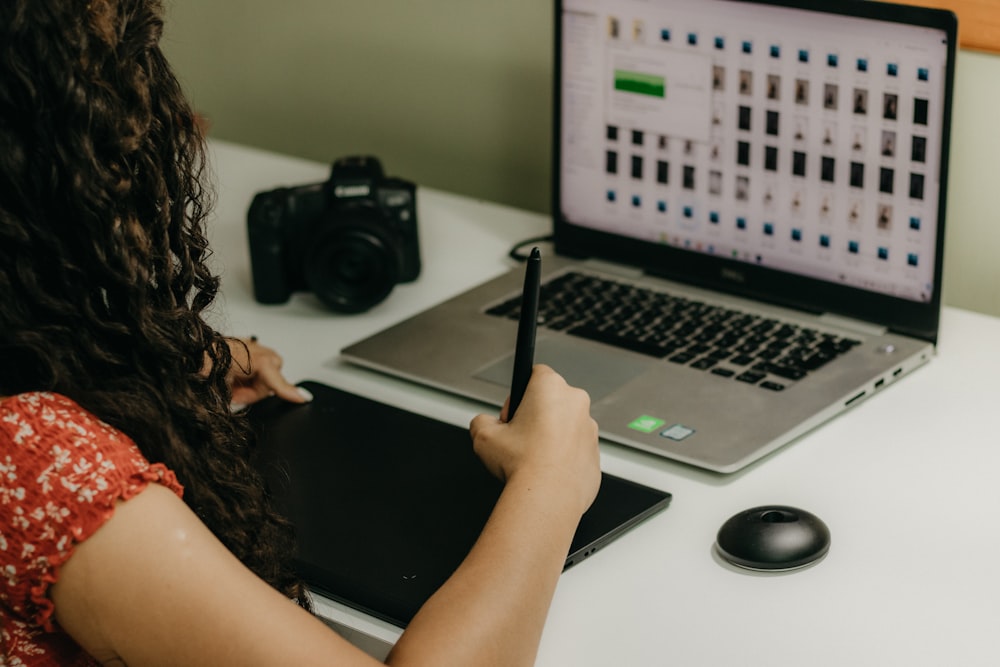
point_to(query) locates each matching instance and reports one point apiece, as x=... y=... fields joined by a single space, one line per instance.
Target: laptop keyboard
x=723 y=342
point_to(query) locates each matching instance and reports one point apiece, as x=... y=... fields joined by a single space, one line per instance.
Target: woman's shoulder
x=52 y=407
x=52 y=442
x=62 y=470
x=26 y=418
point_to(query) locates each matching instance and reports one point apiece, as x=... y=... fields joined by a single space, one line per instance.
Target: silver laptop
x=748 y=207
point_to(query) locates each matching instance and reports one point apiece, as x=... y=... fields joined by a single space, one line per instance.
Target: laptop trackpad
x=598 y=371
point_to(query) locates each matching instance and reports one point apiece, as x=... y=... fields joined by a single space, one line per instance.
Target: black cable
x=520 y=244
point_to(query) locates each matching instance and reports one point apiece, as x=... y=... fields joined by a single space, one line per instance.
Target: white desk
x=907 y=481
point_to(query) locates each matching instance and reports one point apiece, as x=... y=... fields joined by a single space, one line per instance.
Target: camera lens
x=352 y=266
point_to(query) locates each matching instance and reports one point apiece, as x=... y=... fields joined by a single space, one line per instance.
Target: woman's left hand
x=255 y=374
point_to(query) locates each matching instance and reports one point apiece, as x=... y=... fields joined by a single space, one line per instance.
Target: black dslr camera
x=349 y=239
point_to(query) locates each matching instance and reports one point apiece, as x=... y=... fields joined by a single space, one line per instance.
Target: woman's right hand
x=493 y=608
x=551 y=441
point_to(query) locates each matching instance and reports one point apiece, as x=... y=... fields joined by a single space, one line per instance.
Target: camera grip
x=265 y=236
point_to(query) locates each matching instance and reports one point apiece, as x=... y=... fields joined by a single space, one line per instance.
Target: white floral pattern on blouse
x=61 y=472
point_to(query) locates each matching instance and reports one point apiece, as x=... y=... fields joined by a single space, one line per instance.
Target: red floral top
x=61 y=472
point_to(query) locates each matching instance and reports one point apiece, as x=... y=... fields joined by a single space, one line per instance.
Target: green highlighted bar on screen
x=643 y=84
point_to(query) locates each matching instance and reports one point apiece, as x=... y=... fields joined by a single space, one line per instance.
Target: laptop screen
x=761 y=135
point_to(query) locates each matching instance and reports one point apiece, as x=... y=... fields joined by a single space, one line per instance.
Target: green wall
x=455 y=95
x=449 y=93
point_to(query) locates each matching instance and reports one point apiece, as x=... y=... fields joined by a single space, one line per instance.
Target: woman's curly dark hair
x=103 y=276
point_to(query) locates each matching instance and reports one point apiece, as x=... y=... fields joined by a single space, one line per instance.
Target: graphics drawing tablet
x=387 y=503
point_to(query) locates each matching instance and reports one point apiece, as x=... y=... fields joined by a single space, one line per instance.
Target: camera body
x=349 y=239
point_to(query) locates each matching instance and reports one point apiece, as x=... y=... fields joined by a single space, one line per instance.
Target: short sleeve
x=62 y=471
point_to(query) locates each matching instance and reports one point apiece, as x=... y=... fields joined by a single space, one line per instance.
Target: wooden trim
x=978 y=21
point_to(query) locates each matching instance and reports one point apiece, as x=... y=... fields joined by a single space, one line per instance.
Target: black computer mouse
x=773 y=537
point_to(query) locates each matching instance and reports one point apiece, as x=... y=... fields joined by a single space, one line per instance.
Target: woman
x=132 y=530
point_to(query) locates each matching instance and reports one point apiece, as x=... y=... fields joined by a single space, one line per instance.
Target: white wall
x=972 y=246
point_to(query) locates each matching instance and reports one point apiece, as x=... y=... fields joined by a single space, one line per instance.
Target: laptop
x=769 y=178
x=387 y=503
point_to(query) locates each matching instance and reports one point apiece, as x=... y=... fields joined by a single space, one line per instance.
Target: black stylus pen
x=524 y=351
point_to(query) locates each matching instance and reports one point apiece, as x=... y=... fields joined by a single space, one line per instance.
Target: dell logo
x=733 y=276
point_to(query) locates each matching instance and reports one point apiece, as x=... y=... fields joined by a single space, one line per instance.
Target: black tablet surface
x=387 y=503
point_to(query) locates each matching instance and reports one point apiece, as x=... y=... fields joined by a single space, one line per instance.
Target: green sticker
x=646 y=424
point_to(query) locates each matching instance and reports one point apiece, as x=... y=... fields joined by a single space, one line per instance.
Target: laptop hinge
x=610 y=267
x=866 y=328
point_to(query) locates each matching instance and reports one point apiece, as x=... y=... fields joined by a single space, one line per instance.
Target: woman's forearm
x=492 y=610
